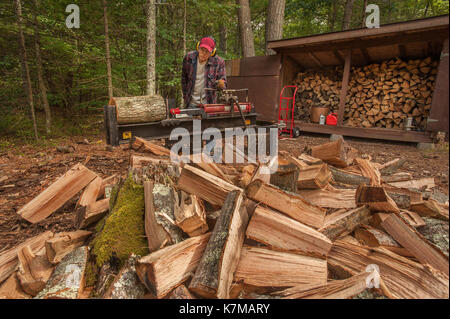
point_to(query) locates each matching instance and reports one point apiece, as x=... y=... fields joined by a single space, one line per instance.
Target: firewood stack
x=379 y=95
x=318 y=227
x=317 y=88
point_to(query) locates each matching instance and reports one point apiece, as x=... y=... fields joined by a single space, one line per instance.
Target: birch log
x=139 y=109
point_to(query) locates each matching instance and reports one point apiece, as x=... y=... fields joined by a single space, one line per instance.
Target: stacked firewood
x=379 y=95
x=317 y=88
x=312 y=228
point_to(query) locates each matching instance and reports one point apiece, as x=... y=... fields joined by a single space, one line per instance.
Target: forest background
x=54 y=80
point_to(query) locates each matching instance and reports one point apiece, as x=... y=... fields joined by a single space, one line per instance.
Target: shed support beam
x=344 y=88
x=315 y=59
x=338 y=56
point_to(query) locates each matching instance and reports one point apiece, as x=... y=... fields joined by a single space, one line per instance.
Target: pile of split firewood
x=379 y=95
x=317 y=227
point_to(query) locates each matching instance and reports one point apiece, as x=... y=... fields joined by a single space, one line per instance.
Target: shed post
x=344 y=87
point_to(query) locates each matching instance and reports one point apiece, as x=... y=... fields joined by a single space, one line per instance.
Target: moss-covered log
x=123 y=231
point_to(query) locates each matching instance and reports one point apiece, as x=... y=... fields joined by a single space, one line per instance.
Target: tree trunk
x=25 y=71
x=223 y=39
x=42 y=87
x=274 y=22
x=347 y=14
x=245 y=27
x=332 y=18
x=363 y=22
x=108 y=56
x=151 y=44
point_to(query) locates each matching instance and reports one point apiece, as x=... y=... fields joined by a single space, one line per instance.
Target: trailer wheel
x=295 y=132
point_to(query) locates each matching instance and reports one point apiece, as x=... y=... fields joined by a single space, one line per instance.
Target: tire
x=295 y=132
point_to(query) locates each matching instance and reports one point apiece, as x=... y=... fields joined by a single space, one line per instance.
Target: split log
x=313 y=177
x=109 y=181
x=92 y=213
x=9 y=260
x=214 y=274
x=90 y=193
x=343 y=222
x=369 y=171
x=335 y=289
x=405 y=279
x=377 y=219
x=11 y=289
x=373 y=237
x=262 y=267
x=338 y=198
x=290 y=204
x=163 y=270
x=210 y=167
x=63 y=243
x=414 y=197
x=430 y=208
x=68 y=279
x=337 y=153
x=57 y=194
x=412 y=218
x=247 y=173
x=392 y=166
x=165 y=203
x=147 y=146
x=126 y=284
x=137 y=161
x=181 y=292
x=376 y=198
x=204 y=185
x=416 y=184
x=34 y=270
x=402 y=200
x=283 y=233
x=418 y=245
x=310 y=160
x=286 y=177
x=139 y=109
x=348 y=178
x=156 y=235
x=397 y=177
x=191 y=215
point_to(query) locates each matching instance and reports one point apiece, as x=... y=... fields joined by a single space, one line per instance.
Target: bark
x=151 y=45
x=139 y=109
x=245 y=28
x=108 y=56
x=24 y=63
x=274 y=22
x=332 y=19
x=223 y=39
x=347 y=14
x=363 y=22
x=42 y=88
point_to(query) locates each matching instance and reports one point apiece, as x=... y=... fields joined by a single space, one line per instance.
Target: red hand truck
x=288 y=113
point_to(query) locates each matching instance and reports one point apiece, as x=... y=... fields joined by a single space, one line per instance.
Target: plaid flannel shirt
x=214 y=70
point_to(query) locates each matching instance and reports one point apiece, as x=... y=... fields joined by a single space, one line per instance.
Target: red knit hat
x=207 y=43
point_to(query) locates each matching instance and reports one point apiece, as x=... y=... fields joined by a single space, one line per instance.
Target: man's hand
x=220 y=84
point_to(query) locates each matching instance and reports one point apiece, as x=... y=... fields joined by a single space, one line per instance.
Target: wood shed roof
x=408 y=40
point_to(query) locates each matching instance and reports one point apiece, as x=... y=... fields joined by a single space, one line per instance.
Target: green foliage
x=74 y=68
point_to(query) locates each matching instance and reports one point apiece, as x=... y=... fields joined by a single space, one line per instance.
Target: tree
x=108 y=54
x=151 y=44
x=274 y=22
x=42 y=87
x=347 y=14
x=24 y=63
x=245 y=28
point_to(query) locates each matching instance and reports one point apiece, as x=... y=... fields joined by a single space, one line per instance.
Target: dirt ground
x=26 y=171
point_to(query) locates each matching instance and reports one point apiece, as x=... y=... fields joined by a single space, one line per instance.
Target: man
x=202 y=69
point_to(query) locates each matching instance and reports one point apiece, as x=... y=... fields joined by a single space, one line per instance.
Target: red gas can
x=332 y=119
